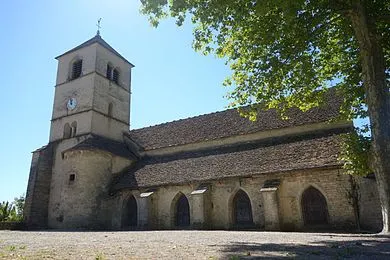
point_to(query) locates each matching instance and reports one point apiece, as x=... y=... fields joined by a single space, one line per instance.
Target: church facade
x=214 y=171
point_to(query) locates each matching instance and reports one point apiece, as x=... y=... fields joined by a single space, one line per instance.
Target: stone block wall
x=369 y=204
x=38 y=189
x=286 y=205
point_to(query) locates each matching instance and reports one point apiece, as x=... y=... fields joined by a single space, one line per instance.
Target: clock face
x=72 y=103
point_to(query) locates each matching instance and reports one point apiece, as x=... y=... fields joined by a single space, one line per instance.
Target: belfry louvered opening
x=109 y=71
x=77 y=67
x=115 y=76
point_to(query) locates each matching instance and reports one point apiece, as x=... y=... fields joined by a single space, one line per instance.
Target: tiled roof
x=96 y=39
x=96 y=142
x=274 y=155
x=228 y=123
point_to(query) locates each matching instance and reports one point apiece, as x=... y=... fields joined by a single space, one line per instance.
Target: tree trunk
x=378 y=101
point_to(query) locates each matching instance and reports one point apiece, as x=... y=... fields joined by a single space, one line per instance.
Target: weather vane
x=98 y=26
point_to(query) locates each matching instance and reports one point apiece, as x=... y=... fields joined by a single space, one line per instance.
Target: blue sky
x=170 y=80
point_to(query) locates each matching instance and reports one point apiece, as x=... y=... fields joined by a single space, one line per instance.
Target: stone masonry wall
x=370 y=207
x=218 y=207
x=38 y=189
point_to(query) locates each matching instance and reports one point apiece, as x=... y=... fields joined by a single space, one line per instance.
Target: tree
x=288 y=53
x=12 y=211
x=19 y=207
x=7 y=211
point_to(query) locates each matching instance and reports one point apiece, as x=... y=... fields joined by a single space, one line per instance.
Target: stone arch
x=180 y=210
x=130 y=213
x=241 y=209
x=314 y=207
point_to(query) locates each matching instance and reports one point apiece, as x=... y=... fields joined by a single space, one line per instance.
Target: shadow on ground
x=375 y=248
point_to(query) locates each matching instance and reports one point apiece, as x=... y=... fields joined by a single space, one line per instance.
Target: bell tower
x=92 y=92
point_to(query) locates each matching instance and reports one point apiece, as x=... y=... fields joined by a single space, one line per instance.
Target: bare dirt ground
x=191 y=245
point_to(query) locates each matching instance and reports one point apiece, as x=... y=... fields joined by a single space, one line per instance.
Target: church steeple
x=92 y=92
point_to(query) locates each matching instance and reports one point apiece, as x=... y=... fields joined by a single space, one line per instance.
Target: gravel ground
x=190 y=245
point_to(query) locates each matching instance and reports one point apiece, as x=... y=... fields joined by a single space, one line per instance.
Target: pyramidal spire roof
x=96 y=39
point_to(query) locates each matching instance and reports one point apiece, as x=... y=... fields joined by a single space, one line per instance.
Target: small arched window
x=115 y=76
x=77 y=67
x=67 y=131
x=109 y=72
x=109 y=112
x=73 y=129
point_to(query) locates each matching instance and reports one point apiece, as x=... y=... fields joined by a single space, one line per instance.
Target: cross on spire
x=98 y=26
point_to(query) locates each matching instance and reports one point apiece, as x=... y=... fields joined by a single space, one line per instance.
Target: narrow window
x=73 y=129
x=109 y=71
x=72 y=177
x=110 y=110
x=115 y=76
x=77 y=67
x=67 y=131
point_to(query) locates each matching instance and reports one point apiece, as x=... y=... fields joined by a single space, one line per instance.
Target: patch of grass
x=100 y=256
x=11 y=248
x=234 y=257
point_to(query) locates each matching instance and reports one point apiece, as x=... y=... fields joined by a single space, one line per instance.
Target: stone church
x=214 y=171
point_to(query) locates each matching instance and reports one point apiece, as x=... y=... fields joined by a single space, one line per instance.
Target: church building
x=213 y=171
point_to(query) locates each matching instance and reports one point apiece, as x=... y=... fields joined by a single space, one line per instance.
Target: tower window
x=115 y=76
x=77 y=67
x=72 y=177
x=109 y=112
x=109 y=71
x=73 y=129
x=67 y=131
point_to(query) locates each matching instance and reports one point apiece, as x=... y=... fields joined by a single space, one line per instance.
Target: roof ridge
x=96 y=39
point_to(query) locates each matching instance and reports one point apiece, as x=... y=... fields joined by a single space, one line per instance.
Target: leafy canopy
x=286 y=53
x=282 y=53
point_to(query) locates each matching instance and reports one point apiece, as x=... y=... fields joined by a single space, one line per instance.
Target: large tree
x=287 y=53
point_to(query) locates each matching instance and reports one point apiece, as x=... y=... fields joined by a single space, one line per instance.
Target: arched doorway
x=130 y=216
x=182 y=212
x=242 y=210
x=314 y=207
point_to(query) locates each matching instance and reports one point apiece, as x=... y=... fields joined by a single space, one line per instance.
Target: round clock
x=72 y=103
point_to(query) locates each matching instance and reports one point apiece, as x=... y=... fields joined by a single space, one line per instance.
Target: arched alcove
x=130 y=213
x=242 y=209
x=182 y=211
x=314 y=207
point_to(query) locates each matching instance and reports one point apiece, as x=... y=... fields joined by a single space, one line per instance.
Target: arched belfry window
x=67 y=131
x=109 y=71
x=77 y=67
x=182 y=212
x=242 y=209
x=115 y=75
x=314 y=207
x=73 y=129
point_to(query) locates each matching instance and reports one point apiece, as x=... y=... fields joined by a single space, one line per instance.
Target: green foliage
x=356 y=153
x=282 y=53
x=287 y=53
x=12 y=211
